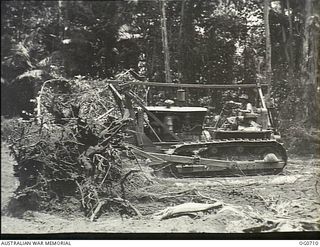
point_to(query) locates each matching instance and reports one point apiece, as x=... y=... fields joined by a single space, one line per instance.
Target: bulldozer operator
x=242 y=115
x=247 y=118
x=246 y=105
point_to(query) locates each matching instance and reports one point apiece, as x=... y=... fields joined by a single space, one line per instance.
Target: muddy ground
x=287 y=202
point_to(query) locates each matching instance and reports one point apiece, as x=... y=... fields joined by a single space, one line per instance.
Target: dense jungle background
x=209 y=42
x=66 y=140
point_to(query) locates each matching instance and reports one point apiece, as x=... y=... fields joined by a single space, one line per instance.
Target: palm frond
x=22 y=50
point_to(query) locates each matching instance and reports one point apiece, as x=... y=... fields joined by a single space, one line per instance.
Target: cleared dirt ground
x=288 y=202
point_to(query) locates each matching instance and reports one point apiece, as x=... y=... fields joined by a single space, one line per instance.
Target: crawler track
x=242 y=150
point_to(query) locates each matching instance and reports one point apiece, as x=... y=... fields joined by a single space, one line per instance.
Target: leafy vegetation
x=209 y=42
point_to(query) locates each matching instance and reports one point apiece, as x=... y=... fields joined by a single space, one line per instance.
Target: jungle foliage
x=209 y=42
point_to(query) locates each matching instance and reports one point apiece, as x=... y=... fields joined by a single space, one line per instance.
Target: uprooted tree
x=73 y=150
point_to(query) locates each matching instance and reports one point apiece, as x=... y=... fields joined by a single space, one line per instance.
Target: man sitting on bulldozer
x=246 y=106
x=247 y=117
x=242 y=115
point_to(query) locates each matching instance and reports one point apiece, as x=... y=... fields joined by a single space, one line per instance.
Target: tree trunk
x=181 y=40
x=290 y=44
x=307 y=69
x=164 y=33
x=305 y=78
x=268 y=48
x=315 y=54
x=287 y=41
x=60 y=20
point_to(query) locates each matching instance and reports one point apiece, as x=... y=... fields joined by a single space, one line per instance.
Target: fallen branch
x=135 y=210
x=96 y=211
x=185 y=209
x=81 y=193
x=205 y=197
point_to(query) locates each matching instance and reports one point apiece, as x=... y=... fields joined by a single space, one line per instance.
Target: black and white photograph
x=146 y=117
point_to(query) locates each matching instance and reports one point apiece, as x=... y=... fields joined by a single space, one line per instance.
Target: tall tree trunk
x=315 y=54
x=287 y=40
x=305 y=78
x=306 y=64
x=164 y=33
x=290 y=43
x=60 y=19
x=268 y=47
x=153 y=59
x=181 y=40
x=314 y=43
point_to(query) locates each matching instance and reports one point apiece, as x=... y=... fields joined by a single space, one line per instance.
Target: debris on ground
x=186 y=209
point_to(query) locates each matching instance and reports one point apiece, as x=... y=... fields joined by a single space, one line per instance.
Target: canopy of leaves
x=209 y=41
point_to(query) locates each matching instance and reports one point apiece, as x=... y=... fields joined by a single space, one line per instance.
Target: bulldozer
x=179 y=140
